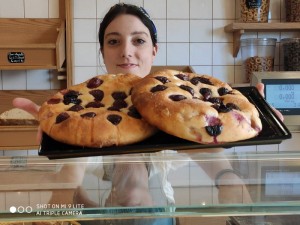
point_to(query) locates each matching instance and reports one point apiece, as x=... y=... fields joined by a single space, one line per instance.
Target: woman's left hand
x=30 y=107
x=260 y=87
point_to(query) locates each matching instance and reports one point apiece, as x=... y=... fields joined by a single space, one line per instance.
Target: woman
x=128 y=43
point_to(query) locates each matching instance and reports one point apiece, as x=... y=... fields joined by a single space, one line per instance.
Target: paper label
x=18 y=162
x=253 y=4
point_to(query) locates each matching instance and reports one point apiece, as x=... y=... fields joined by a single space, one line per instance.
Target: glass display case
x=148 y=187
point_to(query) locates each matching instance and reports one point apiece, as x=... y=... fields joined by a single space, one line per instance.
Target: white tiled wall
x=190 y=32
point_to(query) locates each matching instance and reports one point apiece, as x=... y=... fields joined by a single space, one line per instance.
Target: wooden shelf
x=239 y=28
x=32 y=44
x=46 y=43
x=20 y=137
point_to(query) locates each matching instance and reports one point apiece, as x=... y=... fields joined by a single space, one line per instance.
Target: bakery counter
x=157 y=185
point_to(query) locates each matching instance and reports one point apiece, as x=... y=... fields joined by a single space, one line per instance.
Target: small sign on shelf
x=16 y=57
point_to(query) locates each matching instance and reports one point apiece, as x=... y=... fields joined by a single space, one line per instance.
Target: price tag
x=18 y=162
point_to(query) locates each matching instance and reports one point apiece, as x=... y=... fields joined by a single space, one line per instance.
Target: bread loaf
x=17 y=116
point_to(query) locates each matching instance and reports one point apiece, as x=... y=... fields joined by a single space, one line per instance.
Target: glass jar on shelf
x=255 y=11
x=291 y=54
x=257 y=55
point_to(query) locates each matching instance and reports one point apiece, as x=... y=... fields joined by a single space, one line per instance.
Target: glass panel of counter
x=156 y=185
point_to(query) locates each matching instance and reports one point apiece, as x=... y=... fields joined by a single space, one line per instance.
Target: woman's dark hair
x=129 y=9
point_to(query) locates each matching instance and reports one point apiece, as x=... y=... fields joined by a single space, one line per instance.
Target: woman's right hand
x=260 y=87
x=30 y=107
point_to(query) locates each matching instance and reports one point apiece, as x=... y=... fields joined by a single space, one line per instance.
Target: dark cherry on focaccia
x=95 y=113
x=195 y=107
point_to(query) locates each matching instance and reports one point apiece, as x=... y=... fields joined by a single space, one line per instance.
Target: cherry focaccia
x=195 y=107
x=95 y=113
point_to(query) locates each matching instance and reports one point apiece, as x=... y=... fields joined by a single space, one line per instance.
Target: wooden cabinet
x=240 y=28
x=27 y=44
x=20 y=137
x=32 y=44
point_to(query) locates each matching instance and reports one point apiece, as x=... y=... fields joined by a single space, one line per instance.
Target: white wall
x=190 y=32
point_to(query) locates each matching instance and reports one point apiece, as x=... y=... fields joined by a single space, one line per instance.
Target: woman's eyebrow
x=112 y=33
x=133 y=33
x=139 y=32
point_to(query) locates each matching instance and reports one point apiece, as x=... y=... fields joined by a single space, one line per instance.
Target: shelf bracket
x=236 y=41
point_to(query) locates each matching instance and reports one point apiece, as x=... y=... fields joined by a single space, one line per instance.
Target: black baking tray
x=274 y=132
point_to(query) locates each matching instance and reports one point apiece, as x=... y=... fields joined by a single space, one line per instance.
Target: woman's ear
x=155 y=48
x=102 y=53
x=154 y=52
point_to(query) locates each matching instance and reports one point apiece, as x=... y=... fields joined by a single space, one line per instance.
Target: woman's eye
x=112 y=42
x=140 y=41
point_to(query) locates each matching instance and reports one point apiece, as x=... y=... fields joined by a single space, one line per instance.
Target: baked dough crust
x=180 y=104
x=110 y=119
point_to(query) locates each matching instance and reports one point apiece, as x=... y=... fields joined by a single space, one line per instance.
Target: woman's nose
x=126 y=50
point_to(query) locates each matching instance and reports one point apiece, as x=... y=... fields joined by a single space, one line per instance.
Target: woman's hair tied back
x=129 y=9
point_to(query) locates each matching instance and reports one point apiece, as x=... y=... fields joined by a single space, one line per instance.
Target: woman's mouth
x=127 y=65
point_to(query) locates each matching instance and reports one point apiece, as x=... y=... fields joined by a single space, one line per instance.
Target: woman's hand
x=30 y=107
x=260 y=87
x=232 y=189
x=130 y=185
x=234 y=194
x=27 y=105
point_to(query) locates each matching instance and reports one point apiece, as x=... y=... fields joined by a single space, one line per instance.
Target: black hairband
x=147 y=15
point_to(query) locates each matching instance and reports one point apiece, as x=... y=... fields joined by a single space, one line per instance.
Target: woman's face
x=128 y=46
